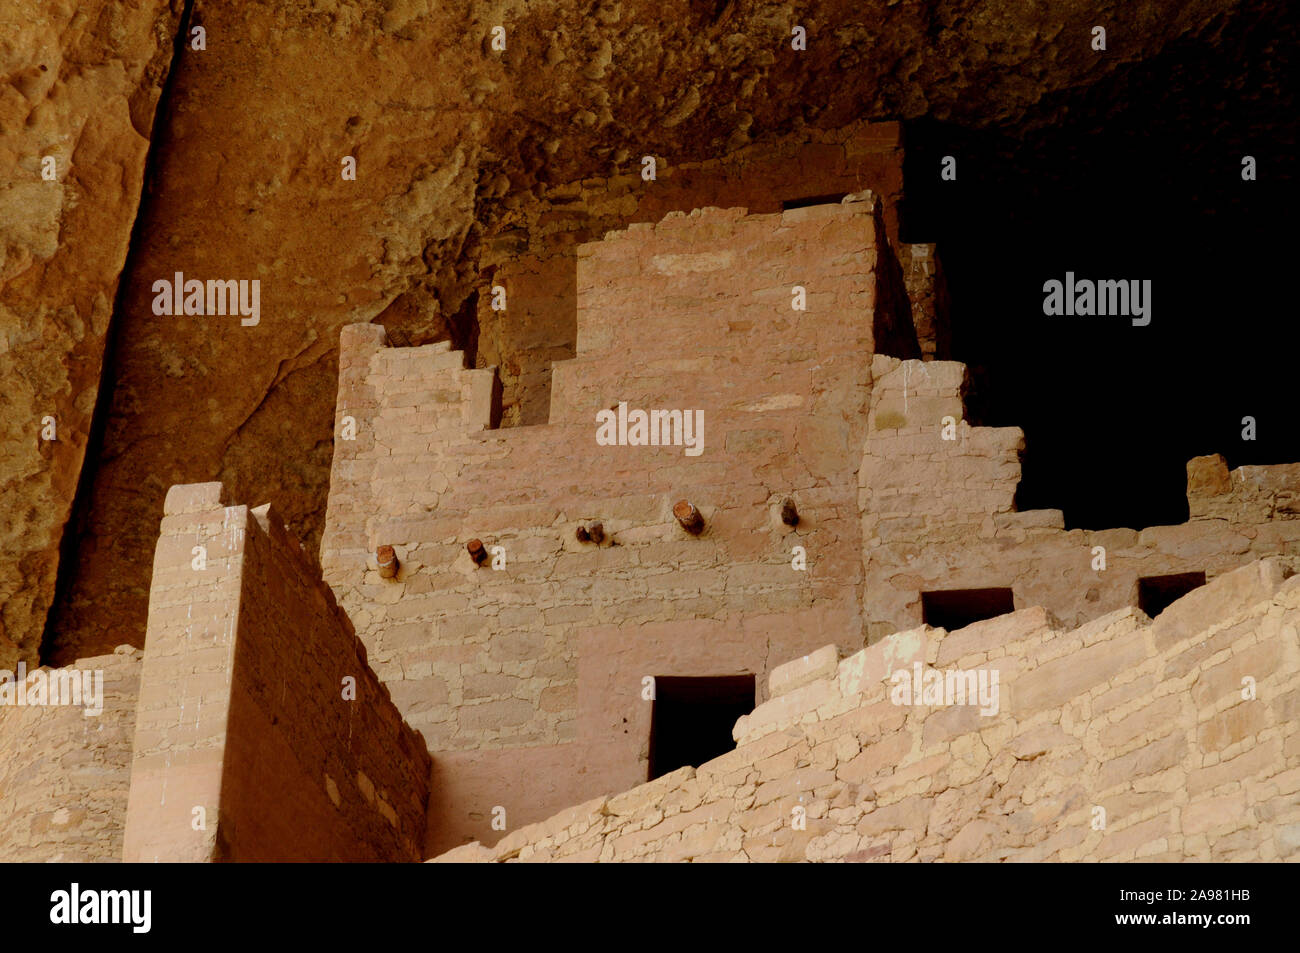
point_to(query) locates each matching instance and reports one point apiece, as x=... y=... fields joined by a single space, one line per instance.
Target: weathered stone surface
x=1208 y=476
x=82 y=81
x=469 y=853
x=257 y=702
x=1237 y=590
x=795 y=674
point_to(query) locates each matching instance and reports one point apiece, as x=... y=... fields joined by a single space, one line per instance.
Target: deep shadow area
x=1143 y=182
x=954 y=609
x=1157 y=593
x=811 y=200
x=693 y=717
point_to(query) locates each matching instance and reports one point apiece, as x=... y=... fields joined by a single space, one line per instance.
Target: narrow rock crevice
x=73 y=530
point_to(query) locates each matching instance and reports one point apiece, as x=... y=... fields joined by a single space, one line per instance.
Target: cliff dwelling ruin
x=592 y=415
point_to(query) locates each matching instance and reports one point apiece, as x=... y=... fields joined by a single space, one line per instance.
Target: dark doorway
x=692 y=719
x=957 y=608
x=1155 y=593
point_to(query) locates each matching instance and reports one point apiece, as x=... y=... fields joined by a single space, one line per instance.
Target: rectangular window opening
x=692 y=718
x=834 y=199
x=953 y=609
x=1156 y=593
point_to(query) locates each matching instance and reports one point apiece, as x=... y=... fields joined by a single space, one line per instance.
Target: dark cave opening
x=1143 y=180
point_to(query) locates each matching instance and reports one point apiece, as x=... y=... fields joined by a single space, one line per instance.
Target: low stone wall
x=1243 y=495
x=64 y=773
x=1124 y=739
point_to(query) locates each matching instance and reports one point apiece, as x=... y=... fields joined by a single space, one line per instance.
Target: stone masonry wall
x=64 y=774
x=1245 y=495
x=940 y=514
x=245 y=712
x=481 y=659
x=536 y=260
x=1123 y=739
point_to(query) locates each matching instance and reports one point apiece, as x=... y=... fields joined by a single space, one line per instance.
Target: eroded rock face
x=455 y=143
x=81 y=81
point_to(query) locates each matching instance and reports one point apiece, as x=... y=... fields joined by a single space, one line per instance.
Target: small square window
x=692 y=719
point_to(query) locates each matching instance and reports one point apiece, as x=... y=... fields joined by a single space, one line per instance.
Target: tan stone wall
x=1246 y=495
x=535 y=260
x=64 y=775
x=940 y=514
x=1146 y=721
x=242 y=707
x=484 y=659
